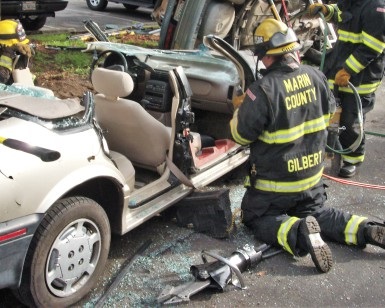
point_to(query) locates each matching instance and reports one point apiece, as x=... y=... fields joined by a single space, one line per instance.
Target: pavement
x=357 y=278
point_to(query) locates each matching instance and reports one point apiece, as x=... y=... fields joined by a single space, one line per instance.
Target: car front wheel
x=97 y=5
x=67 y=254
x=33 y=23
x=130 y=7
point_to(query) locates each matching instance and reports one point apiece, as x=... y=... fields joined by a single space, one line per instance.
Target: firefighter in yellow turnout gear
x=283 y=118
x=13 y=42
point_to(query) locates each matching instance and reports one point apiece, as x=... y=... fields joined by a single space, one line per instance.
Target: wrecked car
x=184 y=23
x=75 y=172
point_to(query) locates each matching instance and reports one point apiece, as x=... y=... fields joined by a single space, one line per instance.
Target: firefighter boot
x=375 y=234
x=347 y=170
x=318 y=249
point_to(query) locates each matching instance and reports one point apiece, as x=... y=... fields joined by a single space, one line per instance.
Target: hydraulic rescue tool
x=217 y=274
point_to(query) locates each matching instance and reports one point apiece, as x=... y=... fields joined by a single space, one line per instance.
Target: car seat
x=129 y=128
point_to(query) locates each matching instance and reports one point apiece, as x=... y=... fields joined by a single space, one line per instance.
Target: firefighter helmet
x=273 y=37
x=12 y=32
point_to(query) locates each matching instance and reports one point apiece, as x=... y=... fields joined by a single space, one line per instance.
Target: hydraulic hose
x=357 y=142
x=348 y=182
x=323 y=56
x=374 y=134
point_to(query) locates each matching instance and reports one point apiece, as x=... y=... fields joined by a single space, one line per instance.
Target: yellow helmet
x=273 y=37
x=12 y=32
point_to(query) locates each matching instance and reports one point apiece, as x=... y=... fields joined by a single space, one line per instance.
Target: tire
x=71 y=225
x=188 y=27
x=130 y=7
x=97 y=5
x=33 y=23
x=164 y=29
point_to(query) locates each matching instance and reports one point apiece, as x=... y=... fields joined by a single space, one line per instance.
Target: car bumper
x=15 y=237
x=20 y=8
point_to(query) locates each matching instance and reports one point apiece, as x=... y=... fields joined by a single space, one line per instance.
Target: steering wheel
x=121 y=60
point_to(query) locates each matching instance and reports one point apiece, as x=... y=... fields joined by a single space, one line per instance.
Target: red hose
x=347 y=182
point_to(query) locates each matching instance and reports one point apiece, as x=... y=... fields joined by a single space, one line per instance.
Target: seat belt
x=178 y=173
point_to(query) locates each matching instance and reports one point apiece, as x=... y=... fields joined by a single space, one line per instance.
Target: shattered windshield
x=53 y=114
x=196 y=63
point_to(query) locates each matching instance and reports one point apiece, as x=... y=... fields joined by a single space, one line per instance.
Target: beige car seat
x=130 y=129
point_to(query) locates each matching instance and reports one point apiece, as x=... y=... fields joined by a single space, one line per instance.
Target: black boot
x=318 y=249
x=347 y=170
x=375 y=234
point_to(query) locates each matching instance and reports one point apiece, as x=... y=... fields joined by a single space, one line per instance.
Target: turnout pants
x=349 y=120
x=275 y=218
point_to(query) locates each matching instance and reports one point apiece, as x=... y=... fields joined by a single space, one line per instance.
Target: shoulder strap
x=179 y=174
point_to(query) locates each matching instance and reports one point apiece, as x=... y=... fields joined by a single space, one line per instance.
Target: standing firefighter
x=284 y=117
x=13 y=43
x=358 y=57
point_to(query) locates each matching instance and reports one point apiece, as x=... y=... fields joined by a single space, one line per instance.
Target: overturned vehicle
x=185 y=23
x=75 y=172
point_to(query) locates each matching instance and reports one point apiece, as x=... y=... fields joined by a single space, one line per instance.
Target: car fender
x=77 y=177
x=34 y=185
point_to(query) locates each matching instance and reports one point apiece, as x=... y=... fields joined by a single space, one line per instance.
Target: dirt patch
x=64 y=85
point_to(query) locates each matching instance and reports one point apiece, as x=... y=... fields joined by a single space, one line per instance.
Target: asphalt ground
x=72 y=18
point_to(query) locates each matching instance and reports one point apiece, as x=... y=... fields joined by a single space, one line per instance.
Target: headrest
x=112 y=83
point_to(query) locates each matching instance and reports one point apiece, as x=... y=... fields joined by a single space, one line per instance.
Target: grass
x=55 y=52
x=63 y=54
x=60 y=39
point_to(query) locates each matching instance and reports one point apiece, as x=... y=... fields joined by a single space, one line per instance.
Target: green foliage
x=55 y=52
x=146 y=43
x=74 y=60
x=57 y=39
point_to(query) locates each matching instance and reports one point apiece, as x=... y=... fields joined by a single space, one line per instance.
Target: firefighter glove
x=342 y=78
x=238 y=100
x=315 y=8
x=23 y=49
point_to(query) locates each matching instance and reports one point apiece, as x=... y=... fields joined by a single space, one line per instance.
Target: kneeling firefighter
x=13 y=47
x=284 y=118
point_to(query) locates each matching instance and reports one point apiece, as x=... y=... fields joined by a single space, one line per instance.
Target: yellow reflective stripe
x=339 y=16
x=353 y=160
x=289 y=187
x=354 y=65
x=345 y=36
x=362 y=38
x=352 y=228
x=247 y=183
x=234 y=131
x=362 y=89
x=291 y=134
x=372 y=42
x=6 y=62
x=283 y=231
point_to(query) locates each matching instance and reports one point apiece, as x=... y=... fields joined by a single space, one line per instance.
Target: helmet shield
x=273 y=37
x=279 y=39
